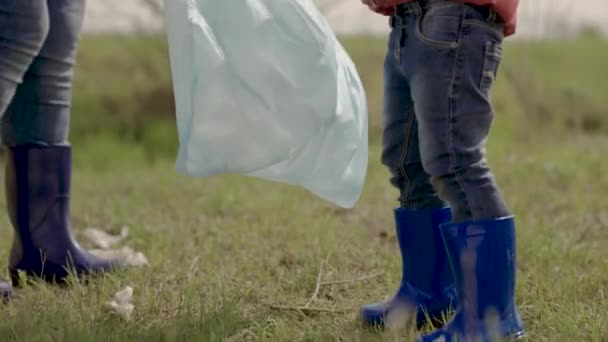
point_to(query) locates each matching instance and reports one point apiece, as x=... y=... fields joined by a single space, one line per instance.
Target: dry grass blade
x=305 y=309
x=351 y=281
x=318 y=285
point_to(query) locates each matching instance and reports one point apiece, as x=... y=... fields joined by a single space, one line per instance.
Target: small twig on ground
x=304 y=309
x=350 y=281
x=318 y=285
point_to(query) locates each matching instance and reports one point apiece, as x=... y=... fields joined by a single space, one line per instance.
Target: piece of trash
x=127 y=254
x=104 y=240
x=122 y=302
x=137 y=259
x=124 y=296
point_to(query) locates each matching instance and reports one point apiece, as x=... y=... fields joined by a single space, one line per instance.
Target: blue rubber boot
x=38 y=194
x=483 y=256
x=426 y=290
x=5 y=291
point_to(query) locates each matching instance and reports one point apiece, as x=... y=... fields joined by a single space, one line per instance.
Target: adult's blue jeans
x=442 y=60
x=38 y=42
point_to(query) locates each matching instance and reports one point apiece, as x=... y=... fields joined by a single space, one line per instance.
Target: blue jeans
x=38 y=41
x=441 y=63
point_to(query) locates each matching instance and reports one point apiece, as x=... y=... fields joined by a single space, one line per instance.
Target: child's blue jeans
x=442 y=60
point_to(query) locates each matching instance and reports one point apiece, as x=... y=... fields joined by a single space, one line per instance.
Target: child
x=456 y=235
x=38 y=40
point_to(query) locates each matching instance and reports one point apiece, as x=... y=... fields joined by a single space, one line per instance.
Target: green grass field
x=226 y=252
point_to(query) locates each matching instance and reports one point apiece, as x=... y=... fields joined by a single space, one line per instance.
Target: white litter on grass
x=128 y=254
x=104 y=240
x=122 y=303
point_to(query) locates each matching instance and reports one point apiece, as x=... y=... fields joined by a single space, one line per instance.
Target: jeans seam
x=451 y=100
x=404 y=152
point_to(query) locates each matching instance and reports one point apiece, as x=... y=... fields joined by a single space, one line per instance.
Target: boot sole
x=518 y=336
x=434 y=321
x=5 y=296
x=53 y=279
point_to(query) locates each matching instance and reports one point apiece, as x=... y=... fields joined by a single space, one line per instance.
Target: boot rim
x=447 y=225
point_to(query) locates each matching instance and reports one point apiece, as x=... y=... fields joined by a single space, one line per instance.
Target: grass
x=222 y=249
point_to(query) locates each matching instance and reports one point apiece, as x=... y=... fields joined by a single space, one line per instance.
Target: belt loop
x=418 y=8
x=491 y=16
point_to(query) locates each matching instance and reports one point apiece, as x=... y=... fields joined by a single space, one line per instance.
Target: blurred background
x=550 y=74
x=538 y=18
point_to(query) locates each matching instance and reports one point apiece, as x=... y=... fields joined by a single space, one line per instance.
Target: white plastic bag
x=263 y=88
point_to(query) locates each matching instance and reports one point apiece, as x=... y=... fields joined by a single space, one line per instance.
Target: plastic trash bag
x=263 y=88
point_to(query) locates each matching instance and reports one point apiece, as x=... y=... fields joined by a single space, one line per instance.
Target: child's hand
x=373 y=6
x=385 y=11
x=388 y=3
x=384 y=7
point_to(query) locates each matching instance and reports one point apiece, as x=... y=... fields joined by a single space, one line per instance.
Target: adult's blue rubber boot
x=483 y=256
x=38 y=199
x=427 y=285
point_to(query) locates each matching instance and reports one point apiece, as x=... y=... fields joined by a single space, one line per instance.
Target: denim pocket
x=492 y=59
x=496 y=30
x=440 y=25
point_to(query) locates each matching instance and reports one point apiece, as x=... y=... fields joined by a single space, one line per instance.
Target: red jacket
x=506 y=9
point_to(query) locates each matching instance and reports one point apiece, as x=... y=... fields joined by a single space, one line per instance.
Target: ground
x=226 y=253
